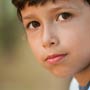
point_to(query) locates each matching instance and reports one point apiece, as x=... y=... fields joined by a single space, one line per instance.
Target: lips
x=55 y=58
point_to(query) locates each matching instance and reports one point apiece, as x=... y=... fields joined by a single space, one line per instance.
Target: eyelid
x=66 y=10
x=27 y=26
x=33 y=26
x=28 y=21
x=58 y=15
x=66 y=13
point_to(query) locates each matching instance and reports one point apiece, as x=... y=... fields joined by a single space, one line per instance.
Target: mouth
x=55 y=58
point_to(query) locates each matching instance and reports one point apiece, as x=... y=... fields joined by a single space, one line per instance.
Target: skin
x=57 y=35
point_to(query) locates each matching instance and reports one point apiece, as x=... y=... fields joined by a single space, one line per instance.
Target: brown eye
x=33 y=25
x=64 y=16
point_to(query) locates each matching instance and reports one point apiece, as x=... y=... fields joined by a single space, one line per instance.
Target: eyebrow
x=29 y=16
x=60 y=8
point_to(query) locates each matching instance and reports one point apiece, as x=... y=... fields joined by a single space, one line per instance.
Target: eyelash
x=36 y=23
x=62 y=16
x=65 y=16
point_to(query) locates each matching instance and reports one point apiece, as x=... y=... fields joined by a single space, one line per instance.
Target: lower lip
x=55 y=60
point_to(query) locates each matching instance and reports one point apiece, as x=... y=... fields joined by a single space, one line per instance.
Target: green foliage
x=10 y=30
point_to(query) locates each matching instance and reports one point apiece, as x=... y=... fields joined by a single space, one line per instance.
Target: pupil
x=35 y=24
x=66 y=15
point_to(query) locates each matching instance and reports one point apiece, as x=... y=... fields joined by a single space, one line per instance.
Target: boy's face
x=59 y=35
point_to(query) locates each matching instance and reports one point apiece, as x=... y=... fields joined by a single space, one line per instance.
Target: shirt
x=87 y=87
x=75 y=86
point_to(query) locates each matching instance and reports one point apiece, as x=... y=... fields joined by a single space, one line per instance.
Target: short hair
x=20 y=4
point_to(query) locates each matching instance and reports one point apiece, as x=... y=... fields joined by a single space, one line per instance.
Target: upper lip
x=54 y=56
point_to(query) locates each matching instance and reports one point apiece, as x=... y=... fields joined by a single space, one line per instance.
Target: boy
x=58 y=32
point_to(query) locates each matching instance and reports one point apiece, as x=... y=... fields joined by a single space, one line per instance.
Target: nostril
x=52 y=43
x=48 y=44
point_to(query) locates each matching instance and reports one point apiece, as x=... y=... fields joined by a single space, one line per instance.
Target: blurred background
x=19 y=69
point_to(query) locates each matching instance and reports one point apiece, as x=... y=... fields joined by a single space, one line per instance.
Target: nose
x=49 y=38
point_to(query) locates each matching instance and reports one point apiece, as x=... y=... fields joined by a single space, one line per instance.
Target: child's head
x=58 y=32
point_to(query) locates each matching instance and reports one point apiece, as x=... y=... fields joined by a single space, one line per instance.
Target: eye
x=33 y=25
x=64 y=16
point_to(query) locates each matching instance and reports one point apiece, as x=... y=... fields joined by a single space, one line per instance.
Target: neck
x=83 y=77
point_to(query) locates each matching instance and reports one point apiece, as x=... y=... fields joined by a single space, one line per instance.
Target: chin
x=63 y=74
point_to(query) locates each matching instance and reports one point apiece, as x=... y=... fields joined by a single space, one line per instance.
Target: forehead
x=50 y=6
x=56 y=2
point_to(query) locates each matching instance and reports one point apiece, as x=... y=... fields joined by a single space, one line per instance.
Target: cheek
x=76 y=36
x=35 y=48
x=78 y=42
x=35 y=45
